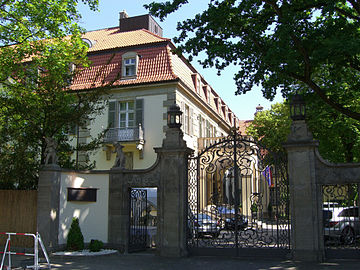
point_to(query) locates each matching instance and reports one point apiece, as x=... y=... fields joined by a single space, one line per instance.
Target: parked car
x=342 y=223
x=203 y=225
x=230 y=223
x=228 y=218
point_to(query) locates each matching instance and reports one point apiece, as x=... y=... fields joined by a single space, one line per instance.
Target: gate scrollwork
x=238 y=196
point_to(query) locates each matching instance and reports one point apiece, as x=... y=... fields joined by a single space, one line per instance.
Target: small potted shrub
x=75 y=239
x=95 y=245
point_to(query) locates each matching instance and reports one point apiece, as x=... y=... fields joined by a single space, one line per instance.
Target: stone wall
x=168 y=175
x=308 y=172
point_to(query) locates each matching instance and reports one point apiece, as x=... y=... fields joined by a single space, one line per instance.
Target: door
x=138 y=222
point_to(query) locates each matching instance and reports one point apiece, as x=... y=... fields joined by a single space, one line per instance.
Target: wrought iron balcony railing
x=124 y=134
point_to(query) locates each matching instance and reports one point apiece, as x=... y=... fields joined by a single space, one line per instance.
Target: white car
x=205 y=225
x=342 y=223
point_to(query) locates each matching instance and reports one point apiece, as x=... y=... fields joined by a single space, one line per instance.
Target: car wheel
x=347 y=236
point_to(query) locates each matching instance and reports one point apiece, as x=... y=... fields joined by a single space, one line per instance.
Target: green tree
x=338 y=135
x=280 y=45
x=271 y=127
x=41 y=46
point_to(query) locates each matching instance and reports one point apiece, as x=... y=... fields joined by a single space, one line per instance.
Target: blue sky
x=224 y=85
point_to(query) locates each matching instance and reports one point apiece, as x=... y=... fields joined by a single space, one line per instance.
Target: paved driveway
x=151 y=262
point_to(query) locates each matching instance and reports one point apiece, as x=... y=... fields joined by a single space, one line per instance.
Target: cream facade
x=93 y=216
x=145 y=79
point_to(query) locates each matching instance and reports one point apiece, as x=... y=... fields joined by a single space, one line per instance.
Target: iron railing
x=341 y=216
x=124 y=134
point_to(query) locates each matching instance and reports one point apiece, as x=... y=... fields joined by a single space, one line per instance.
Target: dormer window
x=198 y=84
x=216 y=100
x=129 y=64
x=130 y=67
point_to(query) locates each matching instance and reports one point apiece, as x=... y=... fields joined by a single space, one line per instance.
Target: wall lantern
x=297 y=108
x=174 y=116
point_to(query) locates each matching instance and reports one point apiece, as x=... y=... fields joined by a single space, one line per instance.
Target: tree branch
x=347 y=14
x=330 y=101
x=356 y=5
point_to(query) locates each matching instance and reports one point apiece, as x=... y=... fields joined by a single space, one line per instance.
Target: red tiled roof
x=112 y=38
x=243 y=124
x=156 y=63
x=106 y=67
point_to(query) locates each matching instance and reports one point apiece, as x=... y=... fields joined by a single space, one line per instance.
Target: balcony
x=135 y=134
x=124 y=135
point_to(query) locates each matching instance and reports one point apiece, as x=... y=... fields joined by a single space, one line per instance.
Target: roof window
x=129 y=65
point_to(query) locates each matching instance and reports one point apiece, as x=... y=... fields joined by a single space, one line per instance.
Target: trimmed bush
x=95 y=245
x=75 y=239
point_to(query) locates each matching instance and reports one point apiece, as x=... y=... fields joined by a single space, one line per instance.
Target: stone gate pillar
x=173 y=194
x=305 y=195
x=48 y=206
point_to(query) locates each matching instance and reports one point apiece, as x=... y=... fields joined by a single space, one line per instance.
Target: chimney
x=147 y=22
x=123 y=14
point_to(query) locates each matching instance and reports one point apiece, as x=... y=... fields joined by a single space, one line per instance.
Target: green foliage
x=75 y=239
x=95 y=245
x=338 y=135
x=41 y=42
x=254 y=208
x=307 y=45
x=271 y=127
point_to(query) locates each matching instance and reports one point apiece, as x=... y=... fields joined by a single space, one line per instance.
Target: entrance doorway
x=238 y=200
x=143 y=219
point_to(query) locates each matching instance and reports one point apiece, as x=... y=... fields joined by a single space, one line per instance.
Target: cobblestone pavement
x=147 y=261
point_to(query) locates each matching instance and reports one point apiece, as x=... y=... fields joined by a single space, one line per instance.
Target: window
x=208 y=129
x=129 y=64
x=208 y=95
x=211 y=130
x=188 y=120
x=72 y=129
x=126 y=114
x=198 y=85
x=130 y=67
x=349 y=212
x=111 y=117
x=200 y=126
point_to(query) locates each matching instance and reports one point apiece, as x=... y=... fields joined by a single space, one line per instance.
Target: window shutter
x=139 y=114
x=191 y=121
x=111 y=114
x=207 y=128
x=183 y=116
x=200 y=127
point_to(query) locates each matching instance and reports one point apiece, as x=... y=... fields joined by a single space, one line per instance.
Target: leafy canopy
x=299 y=45
x=338 y=135
x=41 y=45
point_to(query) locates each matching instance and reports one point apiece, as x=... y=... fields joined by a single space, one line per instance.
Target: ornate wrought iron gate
x=138 y=223
x=238 y=198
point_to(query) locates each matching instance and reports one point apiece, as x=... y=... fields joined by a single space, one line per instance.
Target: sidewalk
x=145 y=261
